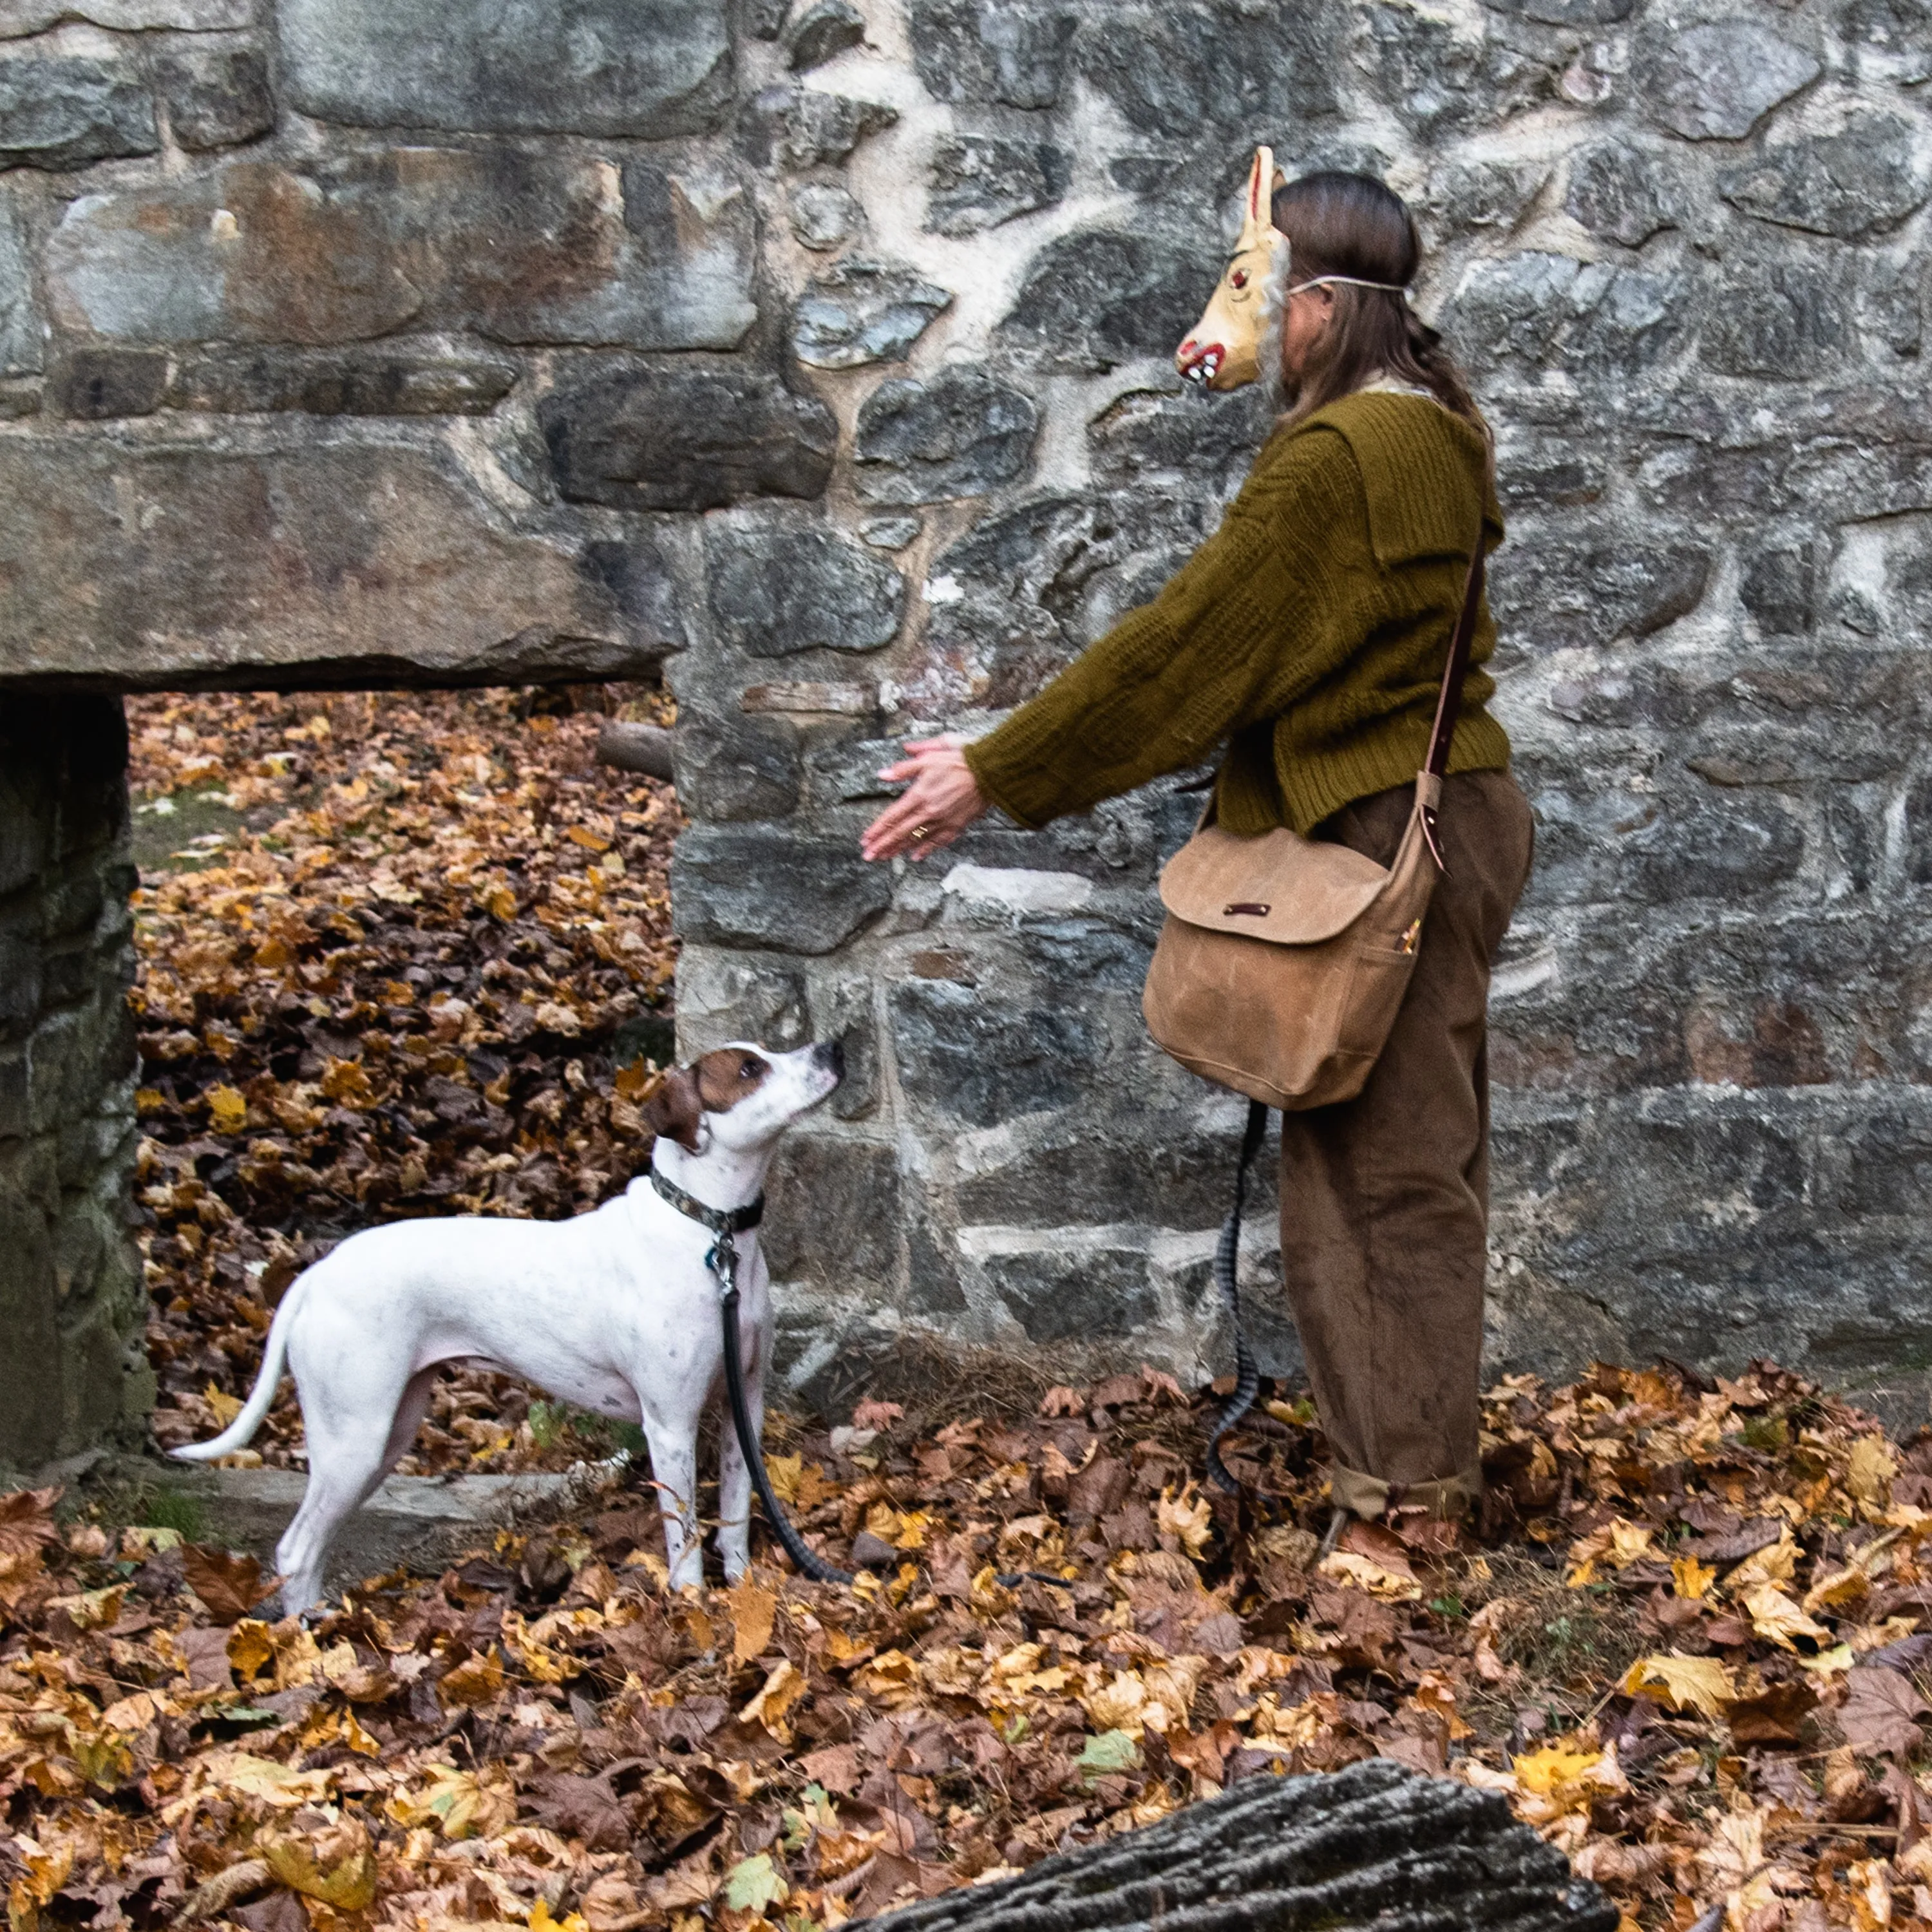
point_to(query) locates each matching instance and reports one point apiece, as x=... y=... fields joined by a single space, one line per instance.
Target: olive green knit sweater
x=1309 y=632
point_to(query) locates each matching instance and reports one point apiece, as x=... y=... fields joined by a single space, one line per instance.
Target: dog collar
x=719 y=1220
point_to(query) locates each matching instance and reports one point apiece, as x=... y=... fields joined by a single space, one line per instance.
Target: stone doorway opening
x=323 y=959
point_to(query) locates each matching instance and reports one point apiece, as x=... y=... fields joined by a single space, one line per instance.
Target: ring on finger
x=920 y=832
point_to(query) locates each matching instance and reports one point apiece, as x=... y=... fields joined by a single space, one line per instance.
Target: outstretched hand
x=943 y=798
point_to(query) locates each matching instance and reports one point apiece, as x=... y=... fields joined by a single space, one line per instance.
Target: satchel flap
x=1278 y=886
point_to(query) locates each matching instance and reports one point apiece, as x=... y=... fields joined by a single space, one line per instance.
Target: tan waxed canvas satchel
x=1284 y=960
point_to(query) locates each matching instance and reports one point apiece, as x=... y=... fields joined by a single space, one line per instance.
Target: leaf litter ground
x=1692 y=1644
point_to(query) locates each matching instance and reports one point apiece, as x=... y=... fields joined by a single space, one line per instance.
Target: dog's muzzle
x=830 y=1054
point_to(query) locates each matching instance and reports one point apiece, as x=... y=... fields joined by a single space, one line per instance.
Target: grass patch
x=140 y=1503
x=556 y=1424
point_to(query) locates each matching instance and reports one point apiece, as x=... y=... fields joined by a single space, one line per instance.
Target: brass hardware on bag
x=1409 y=937
x=1245 y=906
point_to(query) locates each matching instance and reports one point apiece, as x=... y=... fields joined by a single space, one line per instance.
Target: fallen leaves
x=397 y=979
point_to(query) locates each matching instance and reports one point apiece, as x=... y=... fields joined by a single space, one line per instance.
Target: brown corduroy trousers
x=1384 y=1198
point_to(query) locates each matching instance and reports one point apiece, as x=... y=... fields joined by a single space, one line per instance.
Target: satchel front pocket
x=1376 y=990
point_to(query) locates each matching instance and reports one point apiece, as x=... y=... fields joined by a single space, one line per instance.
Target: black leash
x=723 y=1262
x=1227 y=1255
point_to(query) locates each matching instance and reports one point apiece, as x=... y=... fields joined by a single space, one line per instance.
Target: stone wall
x=823 y=350
x=73 y=1368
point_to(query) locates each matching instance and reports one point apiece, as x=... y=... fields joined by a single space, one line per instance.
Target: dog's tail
x=261 y=1397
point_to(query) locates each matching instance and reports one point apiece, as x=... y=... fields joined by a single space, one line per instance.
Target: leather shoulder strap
x=1449 y=702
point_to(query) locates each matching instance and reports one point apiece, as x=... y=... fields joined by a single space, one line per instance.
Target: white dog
x=616 y=1311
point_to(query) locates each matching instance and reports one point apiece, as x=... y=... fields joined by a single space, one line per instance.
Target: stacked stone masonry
x=73 y=1366
x=820 y=353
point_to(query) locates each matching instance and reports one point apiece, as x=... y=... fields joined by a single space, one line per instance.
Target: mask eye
x=1239 y=279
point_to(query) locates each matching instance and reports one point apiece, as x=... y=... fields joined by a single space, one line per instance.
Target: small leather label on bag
x=1250 y=907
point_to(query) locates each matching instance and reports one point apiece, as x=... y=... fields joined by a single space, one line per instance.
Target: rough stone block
x=373 y=382
x=732 y=767
x=1098 y=297
x=314 y=565
x=1716 y=81
x=978 y=1058
x=1777 y=588
x=1157 y=437
x=834 y=1211
x=1784 y=321
x=1555 y=594
x=518 y=247
x=1625 y=193
x=863 y=312
x=1151 y=1169
x=821 y=32
x=824 y=215
x=1188 y=67
x=720 y=998
x=980 y=180
x=1566 y=13
x=800 y=127
x=96 y=384
x=21 y=350
x=1865 y=178
x=1539 y=309
x=777 y=587
x=1066 y=1286
x=216 y=97
x=643 y=68
x=770 y=888
x=1037 y=584
x=63 y=112
x=21 y=17
x=641 y=437
x=961 y=433
x=1013 y=51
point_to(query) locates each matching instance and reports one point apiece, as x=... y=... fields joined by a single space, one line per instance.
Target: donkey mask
x=1231 y=345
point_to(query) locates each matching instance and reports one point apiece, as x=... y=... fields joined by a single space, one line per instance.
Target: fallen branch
x=635 y=748
x=226 y=1887
x=1373 y=1845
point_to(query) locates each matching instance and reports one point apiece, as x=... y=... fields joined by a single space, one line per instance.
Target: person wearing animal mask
x=1302 y=646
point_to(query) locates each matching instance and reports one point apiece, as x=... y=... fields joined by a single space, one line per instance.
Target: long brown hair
x=1351 y=224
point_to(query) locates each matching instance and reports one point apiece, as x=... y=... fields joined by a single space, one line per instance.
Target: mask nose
x=831 y=1055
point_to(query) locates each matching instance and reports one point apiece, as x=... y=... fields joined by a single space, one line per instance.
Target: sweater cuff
x=982 y=762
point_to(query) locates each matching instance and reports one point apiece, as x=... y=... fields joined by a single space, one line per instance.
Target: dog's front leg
x=734 y=1475
x=674 y=1448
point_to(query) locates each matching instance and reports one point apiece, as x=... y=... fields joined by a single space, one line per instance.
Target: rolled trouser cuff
x=1369 y=1496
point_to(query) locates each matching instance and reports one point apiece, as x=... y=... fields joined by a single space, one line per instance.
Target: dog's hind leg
x=339 y=1477
x=345 y=1465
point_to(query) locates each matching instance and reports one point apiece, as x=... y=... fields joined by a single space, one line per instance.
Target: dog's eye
x=748 y=1071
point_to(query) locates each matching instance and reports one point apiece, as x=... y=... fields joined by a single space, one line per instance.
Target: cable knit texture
x=1309 y=632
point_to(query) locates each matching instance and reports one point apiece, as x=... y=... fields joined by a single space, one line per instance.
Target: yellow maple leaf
x=337 y=1866
x=754 y=1609
x=1699 y=1684
x=591 y=841
x=1776 y=1563
x=1560 y=1773
x=1775 y=1616
x=1869 y=1472
x=1189 y=1515
x=1118 y=1706
x=1690 y=1578
x=227 y=1110
x=477 y=1679
x=781 y=1689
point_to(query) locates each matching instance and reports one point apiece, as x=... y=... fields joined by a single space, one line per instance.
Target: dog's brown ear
x=674 y=1110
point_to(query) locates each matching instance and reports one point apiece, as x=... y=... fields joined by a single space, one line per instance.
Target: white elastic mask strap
x=1353 y=281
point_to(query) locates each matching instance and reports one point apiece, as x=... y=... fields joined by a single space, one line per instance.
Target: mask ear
x=674 y=1110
